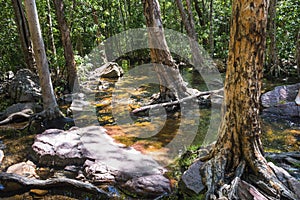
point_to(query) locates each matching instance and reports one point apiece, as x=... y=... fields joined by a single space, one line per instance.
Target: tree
x=51 y=109
x=172 y=86
x=24 y=34
x=67 y=45
x=272 y=47
x=189 y=25
x=238 y=152
x=298 y=53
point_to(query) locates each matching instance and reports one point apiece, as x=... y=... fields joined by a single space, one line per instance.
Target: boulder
x=27 y=169
x=281 y=101
x=108 y=70
x=280 y=95
x=102 y=160
x=24 y=87
x=150 y=186
x=191 y=181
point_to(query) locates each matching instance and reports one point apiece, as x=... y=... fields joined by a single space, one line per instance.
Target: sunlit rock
x=27 y=169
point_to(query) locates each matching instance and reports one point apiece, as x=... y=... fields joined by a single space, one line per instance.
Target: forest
x=150 y=99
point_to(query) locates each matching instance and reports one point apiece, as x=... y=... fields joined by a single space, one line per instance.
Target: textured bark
x=49 y=101
x=238 y=150
x=172 y=85
x=67 y=45
x=50 y=33
x=24 y=34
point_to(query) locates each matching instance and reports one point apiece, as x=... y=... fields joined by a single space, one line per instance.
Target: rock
x=150 y=186
x=99 y=172
x=27 y=169
x=58 y=148
x=1 y=156
x=24 y=87
x=102 y=160
x=297 y=100
x=280 y=95
x=191 y=179
x=39 y=192
x=289 y=109
x=108 y=70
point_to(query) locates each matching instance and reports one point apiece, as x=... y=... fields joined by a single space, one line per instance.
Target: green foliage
x=288 y=24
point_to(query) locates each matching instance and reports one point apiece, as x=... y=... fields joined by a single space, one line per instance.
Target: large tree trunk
x=49 y=102
x=238 y=150
x=67 y=45
x=24 y=34
x=172 y=86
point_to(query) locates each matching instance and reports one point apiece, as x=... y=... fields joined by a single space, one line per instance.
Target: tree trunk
x=238 y=150
x=24 y=35
x=49 y=102
x=211 y=29
x=172 y=86
x=272 y=48
x=298 y=53
x=187 y=19
x=50 y=33
x=67 y=45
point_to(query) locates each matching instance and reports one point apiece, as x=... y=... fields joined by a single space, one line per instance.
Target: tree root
x=17 y=116
x=13 y=184
x=173 y=103
x=271 y=182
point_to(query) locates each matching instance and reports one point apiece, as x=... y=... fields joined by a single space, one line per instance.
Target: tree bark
x=50 y=33
x=211 y=29
x=172 y=86
x=67 y=45
x=298 y=53
x=188 y=21
x=272 y=47
x=49 y=102
x=24 y=34
x=238 y=151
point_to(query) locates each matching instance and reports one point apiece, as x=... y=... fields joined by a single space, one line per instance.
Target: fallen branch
x=155 y=106
x=24 y=114
x=13 y=184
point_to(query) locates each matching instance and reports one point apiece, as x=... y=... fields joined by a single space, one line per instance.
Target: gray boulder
x=102 y=160
x=281 y=101
x=280 y=95
x=24 y=87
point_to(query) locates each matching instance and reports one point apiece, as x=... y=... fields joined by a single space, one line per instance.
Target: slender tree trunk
x=298 y=53
x=238 y=150
x=24 y=34
x=50 y=33
x=211 y=29
x=187 y=19
x=272 y=48
x=172 y=85
x=67 y=45
x=49 y=101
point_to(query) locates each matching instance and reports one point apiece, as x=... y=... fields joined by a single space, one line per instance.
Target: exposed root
x=15 y=184
x=271 y=182
x=18 y=116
